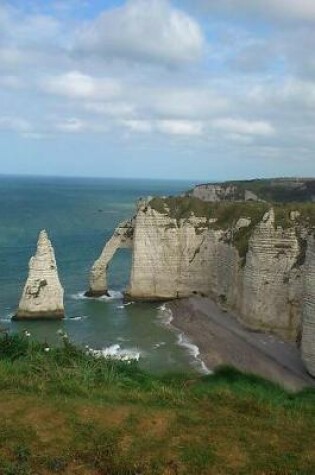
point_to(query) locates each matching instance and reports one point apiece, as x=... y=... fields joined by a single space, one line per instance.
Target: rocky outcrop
x=282 y=190
x=42 y=297
x=308 y=331
x=215 y=192
x=122 y=238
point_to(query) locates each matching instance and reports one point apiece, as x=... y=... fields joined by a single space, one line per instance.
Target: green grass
x=64 y=411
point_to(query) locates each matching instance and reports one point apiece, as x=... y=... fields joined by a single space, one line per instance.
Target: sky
x=190 y=89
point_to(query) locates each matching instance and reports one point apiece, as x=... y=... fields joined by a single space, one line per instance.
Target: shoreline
x=223 y=340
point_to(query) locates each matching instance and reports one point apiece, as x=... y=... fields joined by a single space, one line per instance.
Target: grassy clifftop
x=63 y=411
x=226 y=214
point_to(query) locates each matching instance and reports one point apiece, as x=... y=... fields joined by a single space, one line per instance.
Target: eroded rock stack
x=42 y=297
x=308 y=333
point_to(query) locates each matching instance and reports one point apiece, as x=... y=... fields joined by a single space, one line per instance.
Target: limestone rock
x=122 y=238
x=178 y=257
x=42 y=297
x=308 y=332
x=271 y=285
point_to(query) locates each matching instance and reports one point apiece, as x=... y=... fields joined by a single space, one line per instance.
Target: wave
x=7 y=318
x=77 y=318
x=165 y=314
x=120 y=307
x=115 y=352
x=113 y=295
x=194 y=351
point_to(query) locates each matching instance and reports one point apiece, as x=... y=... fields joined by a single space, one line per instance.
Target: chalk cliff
x=42 y=297
x=308 y=333
x=282 y=190
x=251 y=257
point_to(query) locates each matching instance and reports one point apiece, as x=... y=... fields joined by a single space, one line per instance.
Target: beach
x=223 y=340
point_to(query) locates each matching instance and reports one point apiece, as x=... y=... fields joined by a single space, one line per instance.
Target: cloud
x=180 y=127
x=138 y=125
x=72 y=125
x=76 y=85
x=244 y=127
x=112 y=109
x=143 y=31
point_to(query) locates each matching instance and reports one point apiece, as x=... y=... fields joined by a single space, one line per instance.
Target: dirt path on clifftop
x=222 y=340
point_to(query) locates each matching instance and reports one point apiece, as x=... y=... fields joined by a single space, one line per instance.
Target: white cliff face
x=176 y=259
x=271 y=284
x=42 y=296
x=122 y=238
x=308 y=330
x=212 y=192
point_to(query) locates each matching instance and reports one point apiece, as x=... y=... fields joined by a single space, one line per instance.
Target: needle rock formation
x=42 y=297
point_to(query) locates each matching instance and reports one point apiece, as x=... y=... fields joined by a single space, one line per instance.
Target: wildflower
x=47 y=349
x=27 y=334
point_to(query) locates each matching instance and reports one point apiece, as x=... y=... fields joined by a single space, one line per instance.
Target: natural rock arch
x=122 y=238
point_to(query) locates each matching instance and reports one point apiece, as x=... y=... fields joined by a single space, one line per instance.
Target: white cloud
x=72 y=125
x=112 y=109
x=81 y=86
x=244 y=127
x=142 y=30
x=180 y=127
x=138 y=125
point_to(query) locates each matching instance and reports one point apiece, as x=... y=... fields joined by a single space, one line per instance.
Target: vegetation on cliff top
x=64 y=411
x=227 y=214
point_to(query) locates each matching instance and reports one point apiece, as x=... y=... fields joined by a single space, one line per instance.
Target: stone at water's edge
x=42 y=297
x=308 y=335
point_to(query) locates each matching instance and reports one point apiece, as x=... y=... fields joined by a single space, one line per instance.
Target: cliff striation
x=308 y=334
x=42 y=297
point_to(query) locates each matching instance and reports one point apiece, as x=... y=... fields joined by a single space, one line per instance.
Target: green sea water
x=80 y=215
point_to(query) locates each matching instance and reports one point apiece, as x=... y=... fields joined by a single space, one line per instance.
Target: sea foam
x=194 y=351
x=115 y=352
x=113 y=295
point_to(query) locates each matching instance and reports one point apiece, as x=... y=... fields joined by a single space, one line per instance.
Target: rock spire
x=42 y=297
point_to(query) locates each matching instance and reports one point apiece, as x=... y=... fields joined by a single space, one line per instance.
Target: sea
x=80 y=215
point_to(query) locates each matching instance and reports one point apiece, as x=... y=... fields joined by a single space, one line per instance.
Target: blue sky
x=195 y=89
